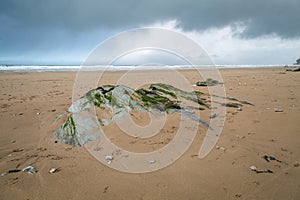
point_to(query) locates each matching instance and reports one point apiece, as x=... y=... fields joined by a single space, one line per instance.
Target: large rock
x=82 y=126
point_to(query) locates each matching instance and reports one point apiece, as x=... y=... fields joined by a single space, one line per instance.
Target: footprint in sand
x=106 y=189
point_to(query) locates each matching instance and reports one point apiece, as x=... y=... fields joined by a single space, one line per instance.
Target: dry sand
x=247 y=136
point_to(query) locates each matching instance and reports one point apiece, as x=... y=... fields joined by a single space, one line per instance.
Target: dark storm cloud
x=262 y=16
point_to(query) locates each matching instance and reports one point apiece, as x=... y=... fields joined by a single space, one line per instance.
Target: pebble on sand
x=108 y=159
x=253 y=168
x=278 y=110
x=152 y=161
x=30 y=170
x=221 y=148
x=53 y=170
x=212 y=116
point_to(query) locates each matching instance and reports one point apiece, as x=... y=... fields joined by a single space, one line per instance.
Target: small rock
x=30 y=170
x=17 y=150
x=231 y=105
x=271 y=158
x=238 y=136
x=12 y=141
x=20 y=113
x=253 y=168
x=266 y=158
x=278 y=110
x=239 y=109
x=212 y=116
x=221 y=148
x=53 y=110
x=53 y=170
x=10 y=171
x=38 y=113
x=208 y=82
x=152 y=161
x=109 y=159
x=296 y=165
x=13 y=170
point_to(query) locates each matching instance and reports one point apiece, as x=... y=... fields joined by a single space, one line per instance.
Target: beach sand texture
x=30 y=103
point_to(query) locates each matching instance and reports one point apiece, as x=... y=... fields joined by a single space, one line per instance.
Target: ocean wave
x=54 y=68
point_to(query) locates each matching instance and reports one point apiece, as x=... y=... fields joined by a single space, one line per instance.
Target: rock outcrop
x=81 y=125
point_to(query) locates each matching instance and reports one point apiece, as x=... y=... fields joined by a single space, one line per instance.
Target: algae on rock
x=82 y=126
x=208 y=82
x=67 y=132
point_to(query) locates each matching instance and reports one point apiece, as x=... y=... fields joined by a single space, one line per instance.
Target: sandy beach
x=30 y=103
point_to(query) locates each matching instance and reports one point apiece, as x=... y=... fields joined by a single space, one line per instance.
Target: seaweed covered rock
x=82 y=126
x=208 y=82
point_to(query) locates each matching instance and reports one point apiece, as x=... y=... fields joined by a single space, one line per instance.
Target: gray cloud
x=65 y=31
x=280 y=17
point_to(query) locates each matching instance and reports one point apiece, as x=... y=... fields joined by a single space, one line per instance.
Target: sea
x=66 y=68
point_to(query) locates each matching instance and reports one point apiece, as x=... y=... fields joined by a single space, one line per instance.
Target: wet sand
x=30 y=103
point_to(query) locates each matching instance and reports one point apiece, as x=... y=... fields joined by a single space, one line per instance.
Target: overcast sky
x=231 y=31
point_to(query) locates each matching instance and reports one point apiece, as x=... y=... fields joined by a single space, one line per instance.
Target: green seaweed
x=232 y=105
x=160 y=97
x=67 y=132
x=114 y=102
x=164 y=91
x=197 y=100
x=199 y=94
x=150 y=98
x=70 y=124
x=167 y=87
